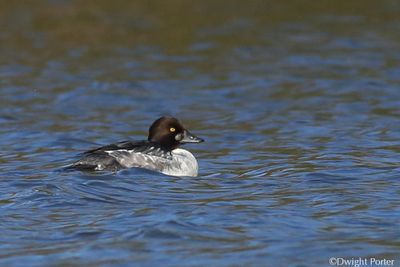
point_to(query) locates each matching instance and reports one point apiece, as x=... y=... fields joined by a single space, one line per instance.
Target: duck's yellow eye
x=172 y=129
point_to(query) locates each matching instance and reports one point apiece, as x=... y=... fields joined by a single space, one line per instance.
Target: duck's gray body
x=178 y=162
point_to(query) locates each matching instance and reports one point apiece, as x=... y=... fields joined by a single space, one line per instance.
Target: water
x=298 y=104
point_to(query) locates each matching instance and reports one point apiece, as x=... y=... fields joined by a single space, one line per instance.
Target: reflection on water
x=298 y=104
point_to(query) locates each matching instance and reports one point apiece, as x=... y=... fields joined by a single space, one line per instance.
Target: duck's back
x=126 y=154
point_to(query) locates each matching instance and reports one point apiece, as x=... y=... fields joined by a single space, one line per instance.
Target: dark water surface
x=299 y=105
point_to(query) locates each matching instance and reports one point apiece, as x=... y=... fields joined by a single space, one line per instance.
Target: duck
x=161 y=152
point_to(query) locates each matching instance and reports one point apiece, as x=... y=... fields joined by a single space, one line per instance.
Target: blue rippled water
x=299 y=107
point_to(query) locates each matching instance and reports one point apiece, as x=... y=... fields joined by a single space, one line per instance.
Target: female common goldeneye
x=160 y=152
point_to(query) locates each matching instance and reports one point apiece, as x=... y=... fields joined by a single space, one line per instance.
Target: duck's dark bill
x=190 y=138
